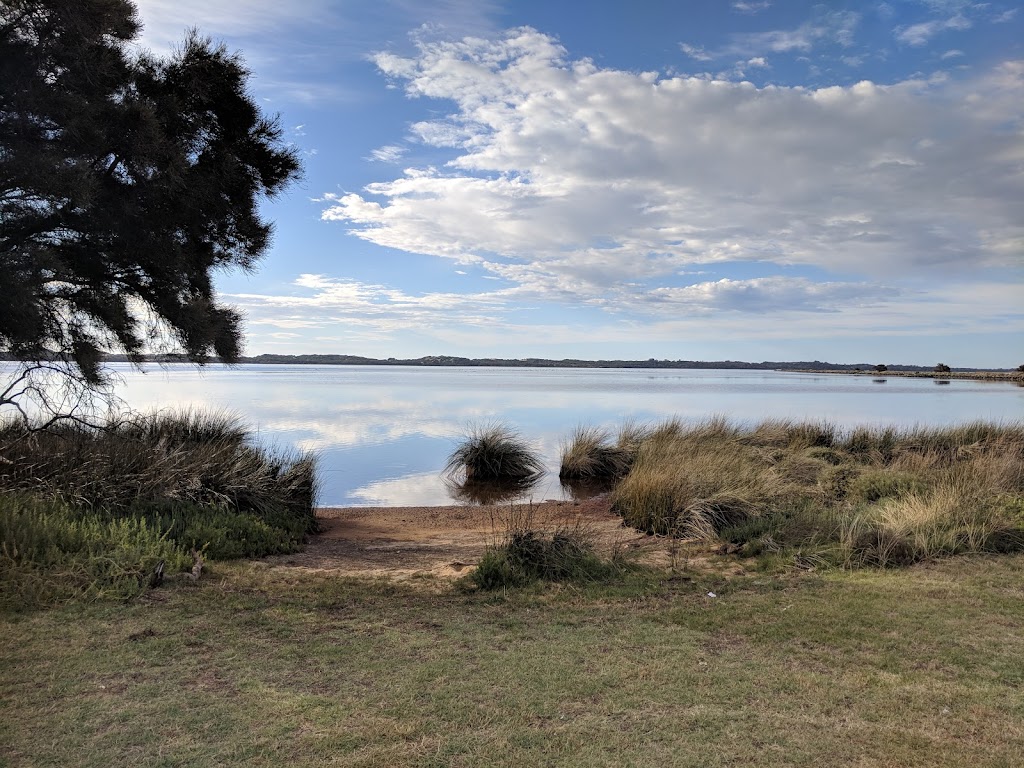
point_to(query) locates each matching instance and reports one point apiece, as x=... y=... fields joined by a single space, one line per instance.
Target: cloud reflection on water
x=383 y=434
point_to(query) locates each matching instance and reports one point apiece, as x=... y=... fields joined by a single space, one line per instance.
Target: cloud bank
x=606 y=187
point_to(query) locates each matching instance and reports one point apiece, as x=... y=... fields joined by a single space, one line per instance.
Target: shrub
x=50 y=552
x=942 y=368
x=528 y=554
x=494 y=452
x=222 y=533
x=158 y=457
x=186 y=472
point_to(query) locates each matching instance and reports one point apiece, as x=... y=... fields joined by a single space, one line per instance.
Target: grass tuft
x=494 y=453
x=528 y=553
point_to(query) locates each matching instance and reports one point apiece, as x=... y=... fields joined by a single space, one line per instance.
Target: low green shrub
x=223 y=533
x=50 y=552
x=528 y=556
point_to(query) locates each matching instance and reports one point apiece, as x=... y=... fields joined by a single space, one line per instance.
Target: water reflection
x=383 y=434
x=491 y=491
x=581 y=490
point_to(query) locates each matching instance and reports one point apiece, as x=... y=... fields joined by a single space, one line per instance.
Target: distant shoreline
x=1015 y=376
x=450 y=361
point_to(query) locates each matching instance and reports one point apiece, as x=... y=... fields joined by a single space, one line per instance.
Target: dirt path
x=402 y=542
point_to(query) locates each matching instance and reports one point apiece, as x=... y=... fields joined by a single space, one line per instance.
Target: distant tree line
x=539 y=362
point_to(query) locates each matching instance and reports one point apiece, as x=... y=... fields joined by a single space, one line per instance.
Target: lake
x=383 y=433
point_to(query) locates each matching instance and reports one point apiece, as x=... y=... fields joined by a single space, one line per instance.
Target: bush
x=527 y=556
x=200 y=459
x=50 y=552
x=222 y=533
x=494 y=453
x=90 y=512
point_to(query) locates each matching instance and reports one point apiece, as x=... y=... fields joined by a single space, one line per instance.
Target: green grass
x=265 y=667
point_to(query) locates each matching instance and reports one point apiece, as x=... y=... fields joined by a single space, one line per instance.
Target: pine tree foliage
x=126 y=181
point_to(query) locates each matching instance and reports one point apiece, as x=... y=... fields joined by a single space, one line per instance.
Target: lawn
x=279 y=666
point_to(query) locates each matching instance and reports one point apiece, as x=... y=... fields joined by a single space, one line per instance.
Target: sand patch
x=445 y=542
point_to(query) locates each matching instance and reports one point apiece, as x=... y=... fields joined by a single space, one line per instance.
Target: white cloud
x=772 y=294
x=836 y=27
x=951 y=54
x=1005 y=16
x=377 y=311
x=695 y=52
x=919 y=34
x=577 y=177
x=390 y=153
x=757 y=61
x=751 y=6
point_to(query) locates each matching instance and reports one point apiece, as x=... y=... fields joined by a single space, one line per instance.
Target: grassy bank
x=258 y=666
x=91 y=511
x=821 y=494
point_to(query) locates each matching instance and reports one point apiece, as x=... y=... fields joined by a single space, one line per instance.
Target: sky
x=709 y=180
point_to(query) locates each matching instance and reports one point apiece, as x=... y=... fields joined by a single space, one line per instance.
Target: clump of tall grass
x=692 y=481
x=494 y=453
x=590 y=454
x=195 y=478
x=865 y=496
x=529 y=552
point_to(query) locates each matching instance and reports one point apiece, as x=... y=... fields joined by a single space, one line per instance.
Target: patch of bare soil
x=402 y=542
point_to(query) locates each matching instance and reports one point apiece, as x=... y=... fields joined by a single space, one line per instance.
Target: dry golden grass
x=870 y=495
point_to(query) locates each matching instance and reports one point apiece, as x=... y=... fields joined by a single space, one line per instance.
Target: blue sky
x=703 y=180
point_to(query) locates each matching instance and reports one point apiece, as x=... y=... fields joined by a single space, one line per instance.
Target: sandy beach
x=406 y=542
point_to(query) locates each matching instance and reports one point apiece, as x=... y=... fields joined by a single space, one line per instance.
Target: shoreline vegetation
x=450 y=361
x=111 y=510
x=786 y=608
x=785 y=493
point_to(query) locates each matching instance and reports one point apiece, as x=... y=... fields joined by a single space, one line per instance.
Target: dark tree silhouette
x=881 y=368
x=942 y=368
x=126 y=180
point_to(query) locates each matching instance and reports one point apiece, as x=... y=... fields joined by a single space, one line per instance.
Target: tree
x=942 y=368
x=126 y=180
x=881 y=368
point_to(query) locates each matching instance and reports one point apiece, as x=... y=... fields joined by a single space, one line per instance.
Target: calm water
x=383 y=434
